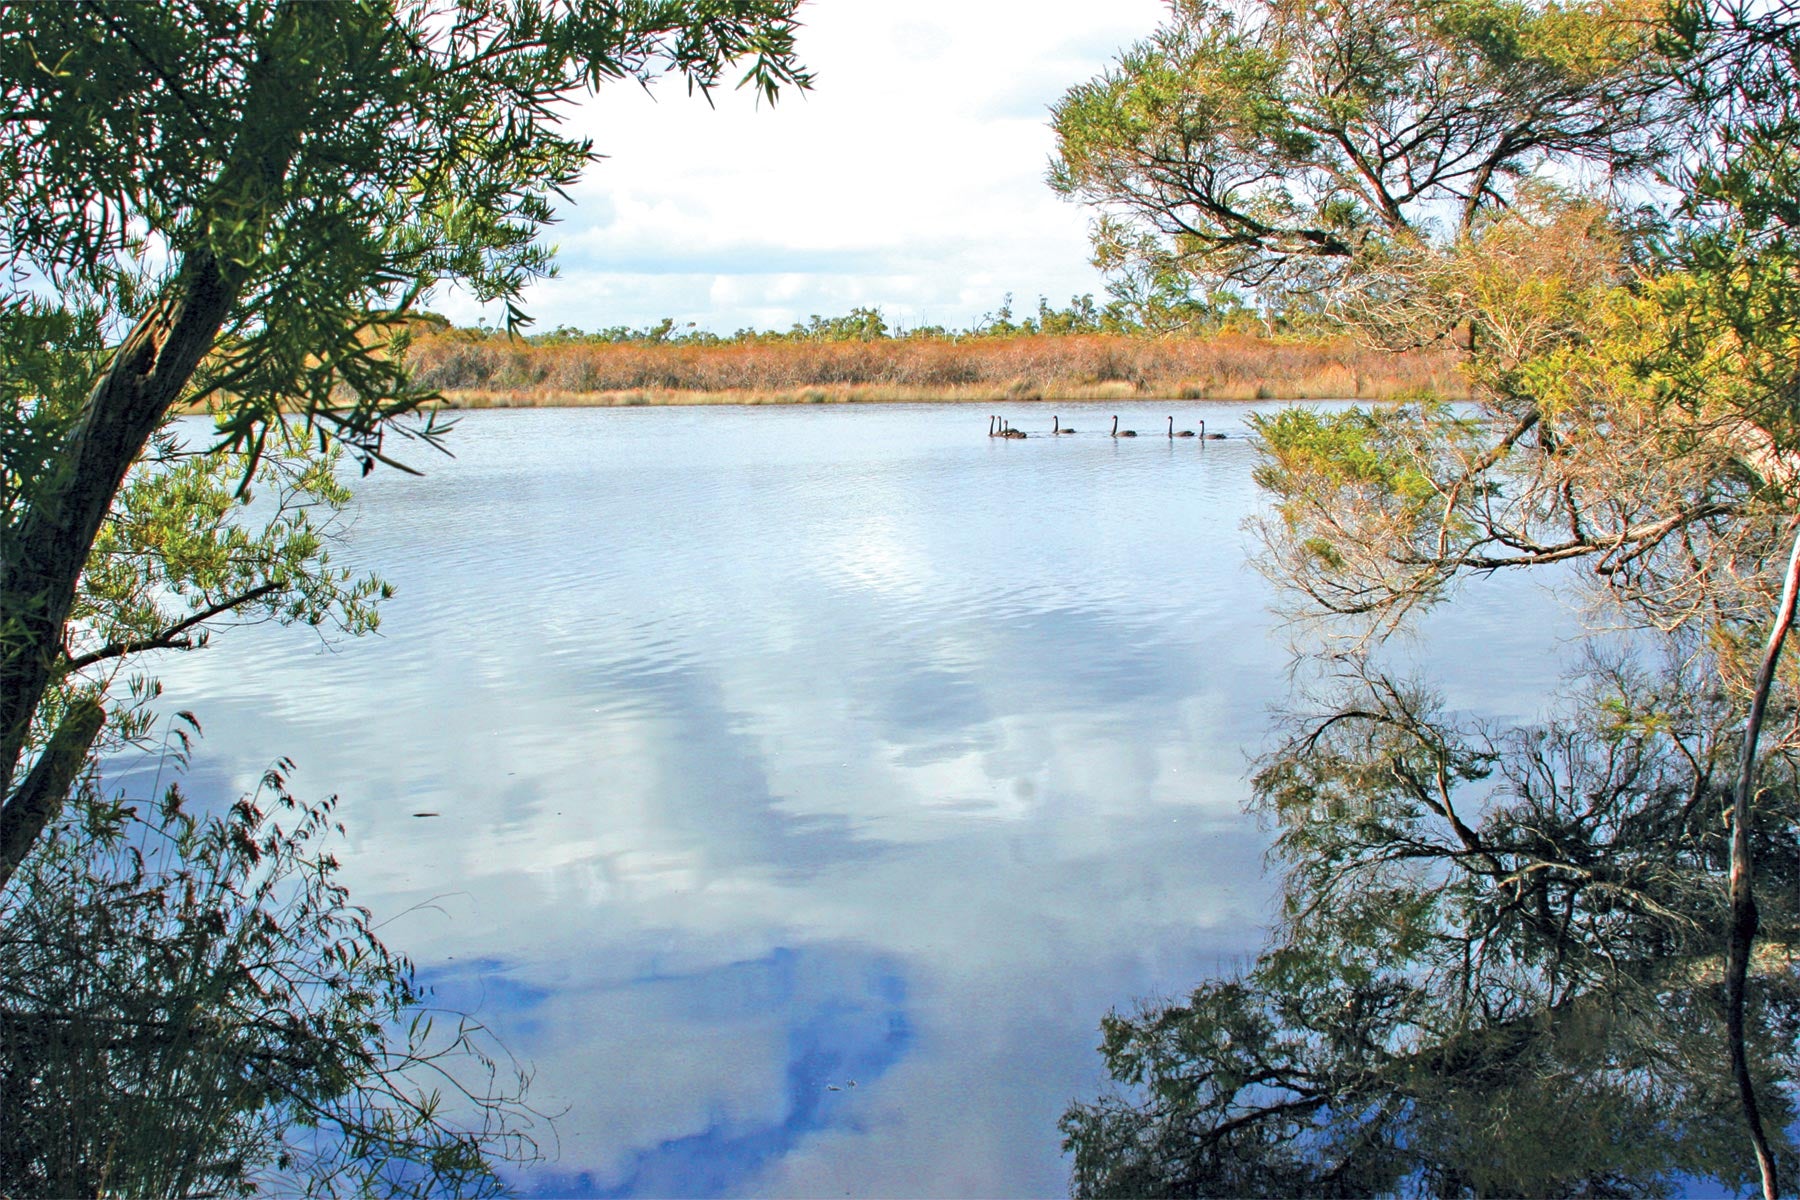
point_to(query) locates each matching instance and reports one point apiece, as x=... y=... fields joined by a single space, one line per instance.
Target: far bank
x=477 y=370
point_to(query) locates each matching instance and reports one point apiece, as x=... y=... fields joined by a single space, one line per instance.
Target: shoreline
x=473 y=400
x=472 y=370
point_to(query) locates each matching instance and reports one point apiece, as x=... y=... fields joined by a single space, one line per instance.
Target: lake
x=772 y=749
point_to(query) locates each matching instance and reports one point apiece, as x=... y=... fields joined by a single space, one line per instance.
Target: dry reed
x=477 y=371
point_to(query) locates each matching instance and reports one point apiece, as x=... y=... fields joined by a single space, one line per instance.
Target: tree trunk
x=49 y=548
x=1743 y=895
x=147 y=376
x=40 y=797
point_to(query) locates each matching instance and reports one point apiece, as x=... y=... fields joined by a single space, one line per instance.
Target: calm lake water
x=778 y=748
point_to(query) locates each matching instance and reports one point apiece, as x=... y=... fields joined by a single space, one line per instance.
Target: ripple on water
x=703 y=694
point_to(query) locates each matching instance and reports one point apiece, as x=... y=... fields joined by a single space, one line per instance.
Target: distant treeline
x=857 y=357
x=1221 y=312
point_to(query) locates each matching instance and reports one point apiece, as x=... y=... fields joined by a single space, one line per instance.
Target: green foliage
x=1503 y=963
x=1356 y=448
x=241 y=208
x=184 y=540
x=339 y=160
x=864 y=324
x=860 y=325
x=1635 y=374
x=192 y=1006
x=1335 y=477
x=1269 y=146
x=200 y=539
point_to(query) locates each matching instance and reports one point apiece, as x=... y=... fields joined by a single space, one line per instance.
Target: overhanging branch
x=170 y=638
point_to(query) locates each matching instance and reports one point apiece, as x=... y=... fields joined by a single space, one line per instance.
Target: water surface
x=778 y=748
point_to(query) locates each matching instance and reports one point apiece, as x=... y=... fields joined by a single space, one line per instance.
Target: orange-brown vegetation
x=474 y=369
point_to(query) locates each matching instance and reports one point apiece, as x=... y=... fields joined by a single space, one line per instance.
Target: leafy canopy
x=1546 y=934
x=1270 y=145
x=237 y=208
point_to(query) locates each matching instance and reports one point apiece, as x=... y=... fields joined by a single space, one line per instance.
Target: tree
x=238 y=207
x=1271 y=145
x=1633 y=365
x=1639 y=418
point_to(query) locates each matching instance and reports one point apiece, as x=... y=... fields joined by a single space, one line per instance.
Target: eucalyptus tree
x=1634 y=369
x=236 y=207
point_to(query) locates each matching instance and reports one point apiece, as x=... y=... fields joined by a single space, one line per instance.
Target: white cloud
x=911 y=178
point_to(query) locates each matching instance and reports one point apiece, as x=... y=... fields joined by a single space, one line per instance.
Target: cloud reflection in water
x=779 y=744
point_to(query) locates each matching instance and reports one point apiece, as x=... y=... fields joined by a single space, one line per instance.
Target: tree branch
x=169 y=638
x=1743 y=896
x=41 y=796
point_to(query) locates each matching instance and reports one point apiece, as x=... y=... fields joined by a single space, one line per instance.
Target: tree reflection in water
x=1497 y=968
x=191 y=1006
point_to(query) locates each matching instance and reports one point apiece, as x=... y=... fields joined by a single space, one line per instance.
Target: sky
x=910 y=179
